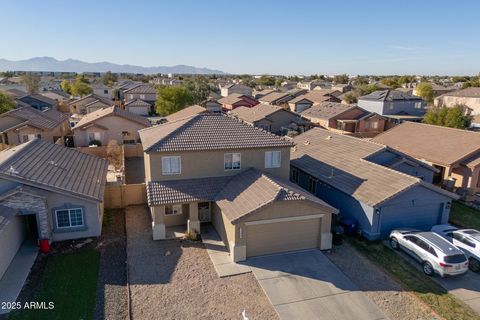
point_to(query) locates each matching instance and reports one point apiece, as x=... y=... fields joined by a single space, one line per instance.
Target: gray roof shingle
x=390 y=95
x=46 y=120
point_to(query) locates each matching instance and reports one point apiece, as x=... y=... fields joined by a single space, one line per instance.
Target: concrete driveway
x=307 y=285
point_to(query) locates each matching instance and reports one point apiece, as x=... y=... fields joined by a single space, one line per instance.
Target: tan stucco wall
x=116 y=125
x=11 y=238
x=14 y=136
x=225 y=229
x=200 y=164
x=449 y=101
x=279 y=119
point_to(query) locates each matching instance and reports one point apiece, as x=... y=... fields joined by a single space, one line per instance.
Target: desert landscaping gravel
x=378 y=286
x=175 y=279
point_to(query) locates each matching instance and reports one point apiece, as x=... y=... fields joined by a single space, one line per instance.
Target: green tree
x=350 y=98
x=266 y=81
x=7 y=103
x=109 y=78
x=199 y=89
x=172 y=99
x=448 y=117
x=66 y=86
x=361 y=81
x=278 y=83
x=341 y=79
x=80 y=87
x=392 y=82
x=425 y=90
x=31 y=82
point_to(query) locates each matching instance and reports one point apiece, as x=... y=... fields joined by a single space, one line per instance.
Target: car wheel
x=474 y=264
x=394 y=243
x=428 y=268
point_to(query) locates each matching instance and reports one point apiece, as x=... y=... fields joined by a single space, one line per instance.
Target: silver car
x=467 y=240
x=435 y=253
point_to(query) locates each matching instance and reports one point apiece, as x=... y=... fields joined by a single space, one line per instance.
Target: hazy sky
x=274 y=37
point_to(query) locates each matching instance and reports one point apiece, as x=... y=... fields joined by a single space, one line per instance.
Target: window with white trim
x=171 y=165
x=69 y=218
x=232 y=161
x=273 y=159
x=171 y=210
x=92 y=136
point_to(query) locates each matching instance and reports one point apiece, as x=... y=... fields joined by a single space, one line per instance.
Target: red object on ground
x=44 y=246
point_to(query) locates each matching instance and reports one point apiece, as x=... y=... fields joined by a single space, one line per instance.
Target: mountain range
x=71 y=65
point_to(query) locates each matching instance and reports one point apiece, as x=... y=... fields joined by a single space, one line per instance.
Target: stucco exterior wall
x=393 y=107
x=15 y=136
x=450 y=101
x=11 y=238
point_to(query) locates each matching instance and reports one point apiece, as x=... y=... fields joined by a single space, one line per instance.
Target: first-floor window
x=28 y=137
x=171 y=165
x=68 y=218
x=273 y=159
x=171 y=210
x=232 y=161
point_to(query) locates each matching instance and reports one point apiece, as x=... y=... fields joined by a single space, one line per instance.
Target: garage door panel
x=420 y=217
x=282 y=236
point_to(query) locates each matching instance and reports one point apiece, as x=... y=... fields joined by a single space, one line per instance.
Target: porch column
x=193 y=224
x=158 y=224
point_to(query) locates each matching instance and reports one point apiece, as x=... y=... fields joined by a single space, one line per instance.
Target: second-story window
x=273 y=159
x=171 y=165
x=232 y=161
x=312 y=185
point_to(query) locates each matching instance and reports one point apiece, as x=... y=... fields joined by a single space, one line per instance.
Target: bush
x=192 y=236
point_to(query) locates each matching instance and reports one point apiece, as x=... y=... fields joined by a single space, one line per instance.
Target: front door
x=204 y=212
x=32 y=227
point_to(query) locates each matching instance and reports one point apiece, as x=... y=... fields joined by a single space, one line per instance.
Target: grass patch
x=411 y=279
x=70 y=282
x=464 y=216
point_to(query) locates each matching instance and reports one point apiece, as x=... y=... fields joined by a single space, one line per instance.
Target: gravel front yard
x=175 y=279
x=384 y=291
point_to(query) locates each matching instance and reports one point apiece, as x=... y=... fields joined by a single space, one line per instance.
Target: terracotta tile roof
x=46 y=120
x=327 y=110
x=110 y=111
x=53 y=167
x=274 y=96
x=137 y=103
x=472 y=92
x=252 y=190
x=437 y=144
x=141 y=89
x=208 y=132
x=317 y=96
x=256 y=113
x=234 y=98
x=340 y=161
x=89 y=99
x=186 y=112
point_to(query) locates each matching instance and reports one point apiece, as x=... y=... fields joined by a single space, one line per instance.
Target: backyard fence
x=121 y=196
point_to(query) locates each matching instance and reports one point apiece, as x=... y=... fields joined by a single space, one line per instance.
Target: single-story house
x=236 y=100
x=139 y=107
x=48 y=192
x=314 y=97
x=108 y=124
x=381 y=188
x=37 y=101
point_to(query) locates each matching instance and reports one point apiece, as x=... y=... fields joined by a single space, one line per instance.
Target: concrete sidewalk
x=307 y=285
x=14 y=278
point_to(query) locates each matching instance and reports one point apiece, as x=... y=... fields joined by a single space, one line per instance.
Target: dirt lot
x=385 y=292
x=175 y=279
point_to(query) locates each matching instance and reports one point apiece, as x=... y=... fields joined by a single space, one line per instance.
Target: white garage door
x=282 y=236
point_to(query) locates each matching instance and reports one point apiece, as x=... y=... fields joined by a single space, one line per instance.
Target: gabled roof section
x=46 y=120
x=256 y=113
x=236 y=97
x=275 y=96
x=341 y=162
x=185 y=113
x=317 y=96
x=56 y=168
x=208 y=132
x=38 y=97
x=327 y=110
x=110 y=111
x=137 y=103
x=141 y=89
x=390 y=95
x=89 y=99
x=472 y=92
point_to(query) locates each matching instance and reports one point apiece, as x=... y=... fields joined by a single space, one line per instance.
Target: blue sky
x=258 y=37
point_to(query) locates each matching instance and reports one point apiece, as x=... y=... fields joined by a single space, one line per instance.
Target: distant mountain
x=70 y=65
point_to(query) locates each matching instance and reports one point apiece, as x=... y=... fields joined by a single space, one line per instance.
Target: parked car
x=434 y=252
x=467 y=240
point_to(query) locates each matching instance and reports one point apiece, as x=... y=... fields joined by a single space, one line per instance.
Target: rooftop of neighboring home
x=38 y=97
x=110 y=111
x=45 y=120
x=137 y=103
x=472 y=92
x=16 y=93
x=341 y=162
x=316 y=96
x=259 y=112
x=185 y=113
x=437 y=144
x=328 y=110
x=237 y=86
x=390 y=95
x=234 y=98
x=89 y=99
x=208 y=131
x=55 y=94
x=237 y=196
x=275 y=96
x=53 y=167
x=141 y=89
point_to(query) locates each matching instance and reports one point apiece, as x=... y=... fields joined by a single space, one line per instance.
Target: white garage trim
x=313 y=216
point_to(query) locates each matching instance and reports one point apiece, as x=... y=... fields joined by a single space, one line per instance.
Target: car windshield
x=456 y=258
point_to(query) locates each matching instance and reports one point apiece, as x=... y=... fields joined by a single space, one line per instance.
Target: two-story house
x=237 y=88
x=88 y=104
x=236 y=100
x=214 y=168
x=143 y=92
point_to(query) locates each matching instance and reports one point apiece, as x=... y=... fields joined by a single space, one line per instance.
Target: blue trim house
x=381 y=188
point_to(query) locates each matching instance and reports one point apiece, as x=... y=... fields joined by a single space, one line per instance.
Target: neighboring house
x=89 y=104
x=102 y=90
x=214 y=168
x=235 y=88
x=186 y=113
x=56 y=95
x=469 y=97
x=24 y=124
x=38 y=102
x=212 y=105
x=347 y=118
x=438 y=90
x=139 y=107
x=276 y=98
x=143 y=92
x=380 y=188
x=272 y=118
x=108 y=124
x=455 y=152
x=396 y=105
x=48 y=192
x=305 y=101
x=342 y=87
x=261 y=93
x=15 y=93
x=236 y=100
